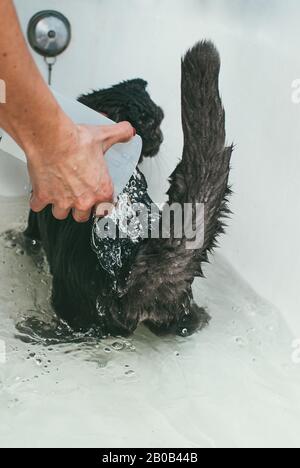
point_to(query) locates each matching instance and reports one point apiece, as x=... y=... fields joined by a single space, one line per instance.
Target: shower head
x=49 y=33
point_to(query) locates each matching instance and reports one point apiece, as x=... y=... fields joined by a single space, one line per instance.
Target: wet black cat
x=153 y=282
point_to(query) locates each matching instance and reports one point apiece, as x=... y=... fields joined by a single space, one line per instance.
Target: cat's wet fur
x=157 y=288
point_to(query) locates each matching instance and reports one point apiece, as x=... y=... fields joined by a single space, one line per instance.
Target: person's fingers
x=60 y=213
x=37 y=204
x=103 y=209
x=81 y=216
x=118 y=133
x=105 y=193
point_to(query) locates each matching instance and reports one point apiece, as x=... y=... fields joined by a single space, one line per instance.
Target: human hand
x=72 y=173
x=65 y=161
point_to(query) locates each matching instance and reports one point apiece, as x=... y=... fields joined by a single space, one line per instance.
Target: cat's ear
x=138 y=83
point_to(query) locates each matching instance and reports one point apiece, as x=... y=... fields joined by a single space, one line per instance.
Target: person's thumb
x=117 y=133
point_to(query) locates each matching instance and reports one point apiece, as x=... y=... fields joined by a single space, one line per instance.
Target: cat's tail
x=202 y=175
x=165 y=268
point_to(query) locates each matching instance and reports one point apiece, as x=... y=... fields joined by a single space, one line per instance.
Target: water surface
x=232 y=385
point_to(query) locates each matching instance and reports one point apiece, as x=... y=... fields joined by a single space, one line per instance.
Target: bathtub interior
x=232 y=385
x=235 y=384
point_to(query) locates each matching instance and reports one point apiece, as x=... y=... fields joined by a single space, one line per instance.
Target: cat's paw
x=191 y=320
x=195 y=319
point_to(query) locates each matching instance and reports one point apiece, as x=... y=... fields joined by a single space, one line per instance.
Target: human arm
x=65 y=161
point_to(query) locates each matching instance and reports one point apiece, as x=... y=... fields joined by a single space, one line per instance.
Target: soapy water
x=232 y=385
x=117 y=237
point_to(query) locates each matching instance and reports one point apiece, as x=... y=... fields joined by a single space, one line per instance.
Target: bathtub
x=237 y=383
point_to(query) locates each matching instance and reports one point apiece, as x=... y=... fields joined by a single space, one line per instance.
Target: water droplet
x=240 y=341
x=102 y=364
x=117 y=346
x=184 y=332
x=107 y=350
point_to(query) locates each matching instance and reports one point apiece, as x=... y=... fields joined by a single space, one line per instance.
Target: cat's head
x=130 y=101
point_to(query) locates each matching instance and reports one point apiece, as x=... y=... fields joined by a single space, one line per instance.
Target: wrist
x=47 y=142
